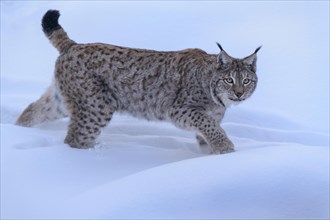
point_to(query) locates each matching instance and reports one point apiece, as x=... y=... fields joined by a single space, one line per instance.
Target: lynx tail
x=54 y=32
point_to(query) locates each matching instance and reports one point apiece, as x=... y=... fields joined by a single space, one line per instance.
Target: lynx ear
x=252 y=59
x=223 y=57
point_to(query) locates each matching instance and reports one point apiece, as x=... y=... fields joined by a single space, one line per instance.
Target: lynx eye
x=229 y=80
x=246 y=81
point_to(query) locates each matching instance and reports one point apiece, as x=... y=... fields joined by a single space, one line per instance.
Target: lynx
x=190 y=88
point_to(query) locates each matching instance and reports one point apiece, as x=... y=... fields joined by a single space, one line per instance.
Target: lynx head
x=235 y=79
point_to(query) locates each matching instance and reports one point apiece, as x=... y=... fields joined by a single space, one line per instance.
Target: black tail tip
x=49 y=21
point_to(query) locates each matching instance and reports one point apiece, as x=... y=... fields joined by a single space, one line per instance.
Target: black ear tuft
x=257 y=49
x=219 y=46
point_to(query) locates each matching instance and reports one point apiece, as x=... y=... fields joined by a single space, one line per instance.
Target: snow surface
x=141 y=169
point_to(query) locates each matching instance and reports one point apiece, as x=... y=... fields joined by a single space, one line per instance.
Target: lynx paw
x=78 y=144
x=225 y=147
x=223 y=151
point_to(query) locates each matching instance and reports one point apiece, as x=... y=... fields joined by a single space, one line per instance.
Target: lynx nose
x=238 y=94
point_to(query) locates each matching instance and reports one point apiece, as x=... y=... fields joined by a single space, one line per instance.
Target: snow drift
x=140 y=169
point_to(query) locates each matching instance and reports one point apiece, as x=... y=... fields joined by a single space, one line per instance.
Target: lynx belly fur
x=189 y=88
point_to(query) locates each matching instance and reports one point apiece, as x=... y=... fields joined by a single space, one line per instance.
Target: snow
x=141 y=169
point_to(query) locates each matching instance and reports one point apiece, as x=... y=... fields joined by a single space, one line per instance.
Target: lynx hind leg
x=87 y=120
x=48 y=107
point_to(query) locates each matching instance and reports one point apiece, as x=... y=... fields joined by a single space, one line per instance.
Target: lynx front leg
x=201 y=141
x=203 y=144
x=206 y=126
x=217 y=116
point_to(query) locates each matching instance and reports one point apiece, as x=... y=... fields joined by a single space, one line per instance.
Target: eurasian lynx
x=189 y=88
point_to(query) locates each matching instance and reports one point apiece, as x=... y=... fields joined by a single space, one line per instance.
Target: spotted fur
x=189 y=88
